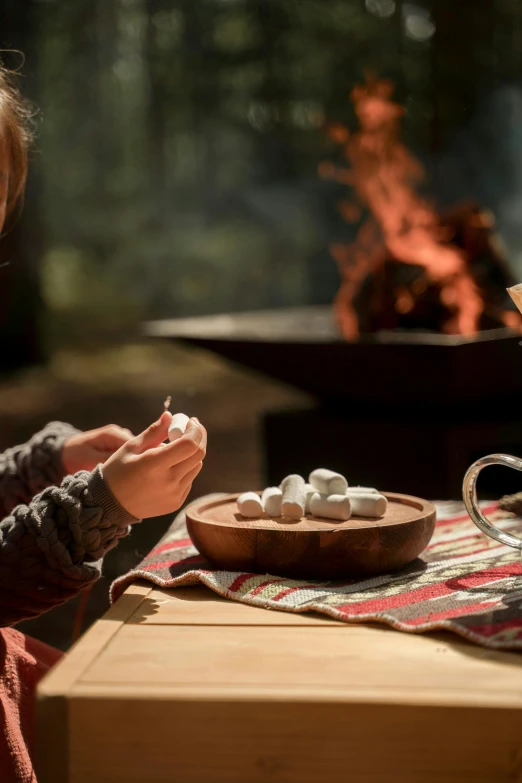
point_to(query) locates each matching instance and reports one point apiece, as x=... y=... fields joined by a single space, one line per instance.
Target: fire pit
x=304 y=348
x=402 y=410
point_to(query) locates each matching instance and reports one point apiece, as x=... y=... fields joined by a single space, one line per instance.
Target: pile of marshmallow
x=326 y=495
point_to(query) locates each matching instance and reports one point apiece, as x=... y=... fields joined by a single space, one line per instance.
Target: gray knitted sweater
x=54 y=530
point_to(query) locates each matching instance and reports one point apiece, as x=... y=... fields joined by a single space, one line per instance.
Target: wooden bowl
x=311 y=548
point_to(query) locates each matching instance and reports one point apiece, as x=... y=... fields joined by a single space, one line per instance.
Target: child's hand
x=88 y=449
x=149 y=477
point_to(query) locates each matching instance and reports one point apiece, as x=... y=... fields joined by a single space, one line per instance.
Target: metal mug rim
x=469 y=494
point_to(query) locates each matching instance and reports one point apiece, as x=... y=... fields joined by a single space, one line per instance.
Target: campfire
x=398 y=366
x=409 y=266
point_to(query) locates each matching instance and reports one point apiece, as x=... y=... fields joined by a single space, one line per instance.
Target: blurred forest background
x=175 y=173
x=175 y=170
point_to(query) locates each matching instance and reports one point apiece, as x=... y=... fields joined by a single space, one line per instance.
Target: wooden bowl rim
x=426 y=511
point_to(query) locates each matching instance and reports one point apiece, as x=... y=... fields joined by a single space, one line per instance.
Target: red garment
x=23 y=663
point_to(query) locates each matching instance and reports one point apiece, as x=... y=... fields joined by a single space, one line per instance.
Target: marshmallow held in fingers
x=249 y=504
x=294 y=497
x=368 y=504
x=326 y=482
x=271 y=500
x=331 y=506
x=178 y=426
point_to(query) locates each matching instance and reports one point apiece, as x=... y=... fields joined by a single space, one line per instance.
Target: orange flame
x=403 y=225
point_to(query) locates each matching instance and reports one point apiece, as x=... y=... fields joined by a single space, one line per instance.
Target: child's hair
x=15 y=134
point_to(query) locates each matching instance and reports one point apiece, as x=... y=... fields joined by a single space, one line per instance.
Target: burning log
x=409 y=266
x=401 y=296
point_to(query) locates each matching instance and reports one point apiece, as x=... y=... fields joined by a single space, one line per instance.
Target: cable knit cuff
x=102 y=496
x=116 y=519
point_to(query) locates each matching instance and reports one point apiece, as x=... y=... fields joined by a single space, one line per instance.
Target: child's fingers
x=192 y=443
x=185 y=495
x=179 y=471
x=154 y=435
x=112 y=437
x=197 y=433
x=90 y=458
x=185 y=483
x=175 y=454
x=169 y=456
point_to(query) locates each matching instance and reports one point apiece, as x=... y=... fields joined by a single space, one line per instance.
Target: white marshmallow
x=249 y=504
x=362 y=491
x=326 y=482
x=271 y=500
x=368 y=505
x=178 y=425
x=309 y=491
x=331 y=506
x=294 y=497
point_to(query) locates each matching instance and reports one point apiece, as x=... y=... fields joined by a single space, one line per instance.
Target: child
x=66 y=498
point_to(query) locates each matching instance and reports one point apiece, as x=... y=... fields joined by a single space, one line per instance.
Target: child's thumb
x=154 y=435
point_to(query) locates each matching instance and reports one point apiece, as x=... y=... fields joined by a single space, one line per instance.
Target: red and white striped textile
x=463 y=582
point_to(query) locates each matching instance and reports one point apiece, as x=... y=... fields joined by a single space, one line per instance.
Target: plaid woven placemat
x=464 y=582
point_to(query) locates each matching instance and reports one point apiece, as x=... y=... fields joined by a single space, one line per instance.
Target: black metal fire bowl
x=303 y=347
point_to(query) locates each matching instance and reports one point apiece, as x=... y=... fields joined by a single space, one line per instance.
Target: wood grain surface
x=181 y=685
x=239 y=698
x=312 y=548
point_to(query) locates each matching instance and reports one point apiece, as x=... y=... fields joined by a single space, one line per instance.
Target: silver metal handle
x=469 y=493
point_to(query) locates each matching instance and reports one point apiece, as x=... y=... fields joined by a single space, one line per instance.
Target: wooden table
x=184 y=686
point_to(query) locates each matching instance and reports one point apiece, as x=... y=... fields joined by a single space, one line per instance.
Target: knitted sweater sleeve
x=28 y=469
x=52 y=548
